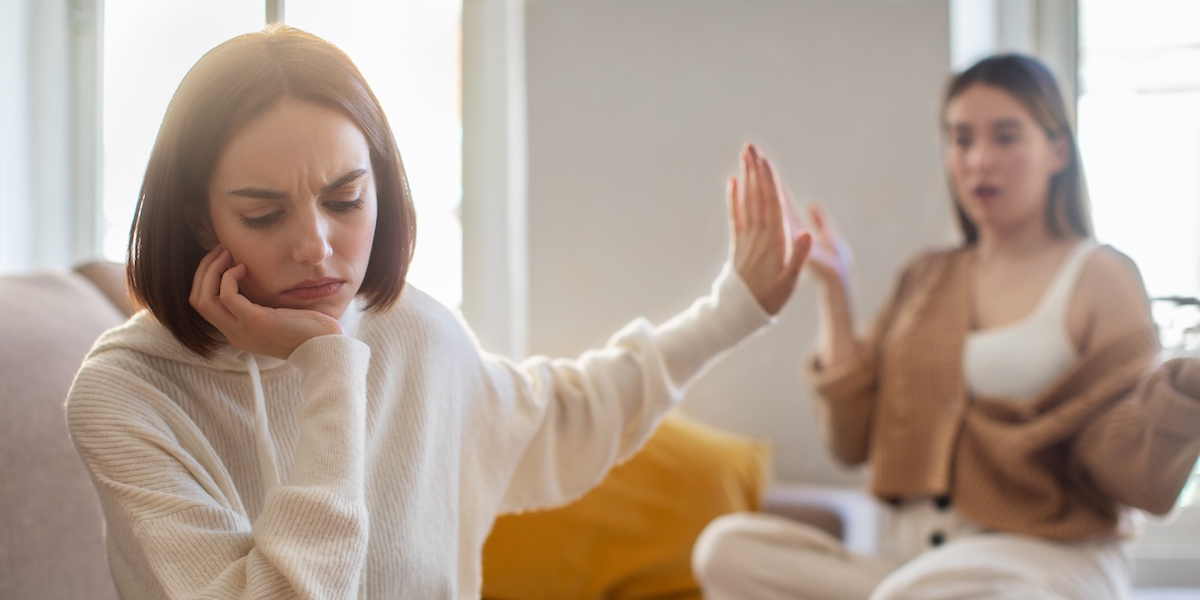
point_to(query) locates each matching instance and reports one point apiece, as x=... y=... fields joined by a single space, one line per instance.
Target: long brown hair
x=1033 y=85
x=229 y=86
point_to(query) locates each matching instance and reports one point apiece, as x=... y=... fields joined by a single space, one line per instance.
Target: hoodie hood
x=144 y=334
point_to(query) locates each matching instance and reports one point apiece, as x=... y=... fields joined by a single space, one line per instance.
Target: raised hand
x=831 y=257
x=248 y=326
x=767 y=246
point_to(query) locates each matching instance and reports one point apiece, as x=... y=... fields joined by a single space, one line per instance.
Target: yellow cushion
x=632 y=536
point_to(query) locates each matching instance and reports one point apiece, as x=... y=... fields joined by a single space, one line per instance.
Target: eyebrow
x=1006 y=124
x=267 y=194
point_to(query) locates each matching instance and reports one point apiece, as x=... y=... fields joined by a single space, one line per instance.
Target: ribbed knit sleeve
x=569 y=421
x=1142 y=450
x=176 y=525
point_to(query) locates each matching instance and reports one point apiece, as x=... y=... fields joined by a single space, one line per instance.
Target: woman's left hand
x=248 y=326
x=767 y=245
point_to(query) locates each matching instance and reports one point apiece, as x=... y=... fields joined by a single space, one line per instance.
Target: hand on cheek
x=248 y=326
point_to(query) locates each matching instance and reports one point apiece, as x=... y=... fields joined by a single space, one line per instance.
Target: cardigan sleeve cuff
x=845 y=380
x=1175 y=405
x=713 y=324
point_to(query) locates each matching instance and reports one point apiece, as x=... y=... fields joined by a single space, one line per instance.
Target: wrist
x=835 y=293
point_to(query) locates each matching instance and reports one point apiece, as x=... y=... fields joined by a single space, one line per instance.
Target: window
x=408 y=51
x=149 y=46
x=1139 y=134
x=1139 y=127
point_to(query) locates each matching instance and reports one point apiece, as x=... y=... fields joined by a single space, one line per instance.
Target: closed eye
x=345 y=207
x=262 y=222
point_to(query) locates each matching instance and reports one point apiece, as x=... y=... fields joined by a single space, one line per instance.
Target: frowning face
x=293 y=198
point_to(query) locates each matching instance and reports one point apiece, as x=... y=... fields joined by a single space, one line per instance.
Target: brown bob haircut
x=1033 y=85
x=228 y=87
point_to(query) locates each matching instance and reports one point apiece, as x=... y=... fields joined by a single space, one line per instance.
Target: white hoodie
x=368 y=465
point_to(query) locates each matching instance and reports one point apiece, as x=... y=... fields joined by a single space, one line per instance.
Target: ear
x=1062 y=151
x=201 y=226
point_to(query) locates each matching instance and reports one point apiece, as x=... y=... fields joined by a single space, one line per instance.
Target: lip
x=315 y=289
x=986 y=193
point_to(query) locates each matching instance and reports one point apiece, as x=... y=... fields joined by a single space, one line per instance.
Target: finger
x=820 y=223
x=820 y=218
x=772 y=210
x=755 y=198
x=736 y=219
x=207 y=302
x=749 y=187
x=198 y=276
x=801 y=246
x=210 y=283
x=231 y=298
x=794 y=220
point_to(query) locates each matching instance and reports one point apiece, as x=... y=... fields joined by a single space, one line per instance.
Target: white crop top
x=1022 y=359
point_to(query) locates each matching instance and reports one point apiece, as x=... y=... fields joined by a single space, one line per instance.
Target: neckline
x=1038 y=308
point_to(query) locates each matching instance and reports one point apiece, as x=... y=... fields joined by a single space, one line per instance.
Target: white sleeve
x=570 y=421
x=176 y=528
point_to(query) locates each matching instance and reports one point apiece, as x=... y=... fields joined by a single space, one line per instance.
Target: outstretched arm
x=571 y=420
x=1140 y=452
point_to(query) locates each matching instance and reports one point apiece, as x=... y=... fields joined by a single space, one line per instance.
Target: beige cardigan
x=1112 y=431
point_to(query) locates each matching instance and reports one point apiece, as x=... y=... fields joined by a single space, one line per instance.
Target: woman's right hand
x=830 y=261
x=248 y=326
x=831 y=257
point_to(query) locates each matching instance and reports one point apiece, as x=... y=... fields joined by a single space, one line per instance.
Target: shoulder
x=1110 y=297
x=133 y=370
x=1110 y=280
x=116 y=392
x=1109 y=266
x=417 y=321
x=928 y=265
x=934 y=259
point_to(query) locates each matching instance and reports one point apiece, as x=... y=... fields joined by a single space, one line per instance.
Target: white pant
x=755 y=556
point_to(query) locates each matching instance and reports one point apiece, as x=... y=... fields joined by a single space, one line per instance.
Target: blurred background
x=568 y=157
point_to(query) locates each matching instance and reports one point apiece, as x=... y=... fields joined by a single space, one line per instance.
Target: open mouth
x=986 y=193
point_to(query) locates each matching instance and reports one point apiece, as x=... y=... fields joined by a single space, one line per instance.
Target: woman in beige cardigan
x=1001 y=398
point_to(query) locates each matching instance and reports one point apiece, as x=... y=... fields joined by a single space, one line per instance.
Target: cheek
x=252 y=250
x=956 y=166
x=356 y=242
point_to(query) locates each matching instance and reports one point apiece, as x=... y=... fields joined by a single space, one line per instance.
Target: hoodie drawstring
x=267 y=466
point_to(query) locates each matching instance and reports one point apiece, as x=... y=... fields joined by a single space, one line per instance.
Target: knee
x=718 y=548
x=931 y=583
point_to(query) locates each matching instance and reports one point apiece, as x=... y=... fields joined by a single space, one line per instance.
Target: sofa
x=51 y=529
x=629 y=538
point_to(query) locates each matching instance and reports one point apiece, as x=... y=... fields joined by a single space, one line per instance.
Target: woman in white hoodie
x=285 y=419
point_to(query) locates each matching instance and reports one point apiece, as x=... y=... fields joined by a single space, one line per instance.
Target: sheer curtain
x=49 y=133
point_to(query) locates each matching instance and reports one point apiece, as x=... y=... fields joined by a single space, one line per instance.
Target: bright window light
x=1139 y=130
x=1139 y=134
x=149 y=45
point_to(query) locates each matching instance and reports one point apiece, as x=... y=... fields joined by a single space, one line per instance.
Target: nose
x=311 y=245
x=980 y=156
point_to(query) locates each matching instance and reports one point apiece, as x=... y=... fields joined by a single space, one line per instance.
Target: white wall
x=637 y=110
